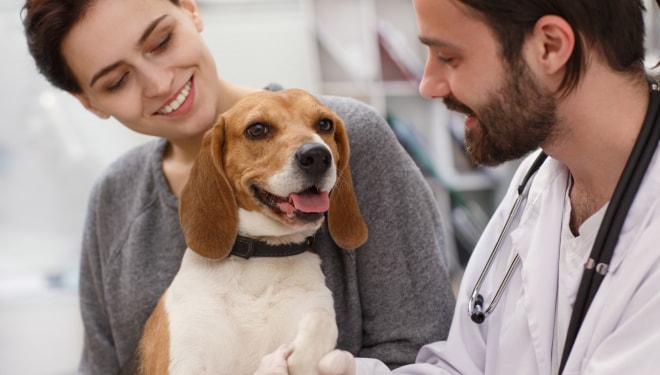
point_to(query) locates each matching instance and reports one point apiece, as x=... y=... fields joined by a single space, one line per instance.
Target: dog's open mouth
x=308 y=205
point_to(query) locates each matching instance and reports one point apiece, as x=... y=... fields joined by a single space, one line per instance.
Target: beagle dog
x=269 y=173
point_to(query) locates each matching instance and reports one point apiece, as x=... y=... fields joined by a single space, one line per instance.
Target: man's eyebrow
x=433 y=42
x=152 y=26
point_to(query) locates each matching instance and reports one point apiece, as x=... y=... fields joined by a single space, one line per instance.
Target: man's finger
x=337 y=362
x=275 y=362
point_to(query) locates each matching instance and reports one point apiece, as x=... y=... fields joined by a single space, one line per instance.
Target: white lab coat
x=621 y=332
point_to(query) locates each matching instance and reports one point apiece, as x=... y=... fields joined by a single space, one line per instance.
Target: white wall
x=50 y=152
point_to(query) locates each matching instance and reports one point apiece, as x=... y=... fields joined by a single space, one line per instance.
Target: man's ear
x=191 y=7
x=84 y=100
x=550 y=45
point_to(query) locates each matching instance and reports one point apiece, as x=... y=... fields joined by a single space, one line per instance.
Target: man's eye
x=446 y=60
x=257 y=131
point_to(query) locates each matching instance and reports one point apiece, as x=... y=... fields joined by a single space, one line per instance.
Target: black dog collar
x=246 y=247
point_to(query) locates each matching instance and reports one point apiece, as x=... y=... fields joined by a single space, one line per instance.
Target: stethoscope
x=601 y=254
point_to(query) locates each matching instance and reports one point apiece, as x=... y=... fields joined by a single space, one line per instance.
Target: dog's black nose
x=314 y=158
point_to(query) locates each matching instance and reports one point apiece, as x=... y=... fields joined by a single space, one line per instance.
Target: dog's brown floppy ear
x=345 y=222
x=208 y=210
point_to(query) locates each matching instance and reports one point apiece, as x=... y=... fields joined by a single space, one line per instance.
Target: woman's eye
x=257 y=131
x=326 y=125
x=164 y=43
x=117 y=84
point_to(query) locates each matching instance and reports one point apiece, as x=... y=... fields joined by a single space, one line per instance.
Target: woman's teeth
x=176 y=103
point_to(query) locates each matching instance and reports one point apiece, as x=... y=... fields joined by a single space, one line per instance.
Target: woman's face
x=144 y=63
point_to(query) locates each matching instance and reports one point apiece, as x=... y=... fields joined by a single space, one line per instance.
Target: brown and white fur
x=256 y=176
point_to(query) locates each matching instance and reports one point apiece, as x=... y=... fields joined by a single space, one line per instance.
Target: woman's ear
x=191 y=7
x=551 y=45
x=84 y=100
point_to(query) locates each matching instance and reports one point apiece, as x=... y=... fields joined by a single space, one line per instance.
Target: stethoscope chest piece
x=476 y=302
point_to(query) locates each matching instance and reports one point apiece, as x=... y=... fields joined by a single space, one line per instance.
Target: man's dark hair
x=614 y=28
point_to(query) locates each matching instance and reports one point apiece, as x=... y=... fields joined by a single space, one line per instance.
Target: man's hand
x=275 y=362
x=337 y=362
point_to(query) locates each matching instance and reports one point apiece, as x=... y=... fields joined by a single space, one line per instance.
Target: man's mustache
x=456 y=106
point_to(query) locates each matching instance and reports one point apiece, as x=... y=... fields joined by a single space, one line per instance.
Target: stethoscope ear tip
x=478 y=317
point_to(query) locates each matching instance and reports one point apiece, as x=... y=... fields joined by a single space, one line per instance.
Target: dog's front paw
x=317 y=335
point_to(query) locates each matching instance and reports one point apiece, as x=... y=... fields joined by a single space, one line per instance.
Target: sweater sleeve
x=404 y=290
x=99 y=354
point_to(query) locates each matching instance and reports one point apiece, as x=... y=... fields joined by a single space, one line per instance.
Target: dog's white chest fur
x=225 y=315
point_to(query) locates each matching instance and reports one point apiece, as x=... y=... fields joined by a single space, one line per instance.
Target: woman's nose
x=434 y=83
x=157 y=81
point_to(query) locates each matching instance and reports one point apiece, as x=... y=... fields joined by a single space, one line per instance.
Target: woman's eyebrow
x=150 y=29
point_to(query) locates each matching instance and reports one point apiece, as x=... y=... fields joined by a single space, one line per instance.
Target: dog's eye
x=326 y=125
x=257 y=131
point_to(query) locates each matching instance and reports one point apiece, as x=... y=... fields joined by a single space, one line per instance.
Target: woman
x=145 y=64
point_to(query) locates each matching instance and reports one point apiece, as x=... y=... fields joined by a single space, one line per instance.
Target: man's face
x=508 y=113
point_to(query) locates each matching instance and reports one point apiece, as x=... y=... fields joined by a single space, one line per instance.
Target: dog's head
x=270 y=168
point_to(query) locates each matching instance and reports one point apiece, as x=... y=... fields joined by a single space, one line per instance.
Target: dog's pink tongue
x=308 y=202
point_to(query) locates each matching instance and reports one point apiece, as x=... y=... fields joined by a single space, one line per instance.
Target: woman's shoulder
x=131 y=173
x=351 y=109
x=364 y=124
x=134 y=162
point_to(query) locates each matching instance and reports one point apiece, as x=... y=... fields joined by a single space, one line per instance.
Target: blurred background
x=51 y=149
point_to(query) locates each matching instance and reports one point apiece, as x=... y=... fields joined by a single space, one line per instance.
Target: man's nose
x=434 y=83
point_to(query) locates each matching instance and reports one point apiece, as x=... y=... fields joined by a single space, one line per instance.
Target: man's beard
x=517 y=119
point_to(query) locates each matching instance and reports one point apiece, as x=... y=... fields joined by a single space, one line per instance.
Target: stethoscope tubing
x=608 y=233
x=615 y=215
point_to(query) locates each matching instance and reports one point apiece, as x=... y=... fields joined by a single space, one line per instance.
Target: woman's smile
x=175 y=106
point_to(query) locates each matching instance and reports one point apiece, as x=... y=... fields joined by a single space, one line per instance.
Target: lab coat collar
x=646 y=196
x=553 y=172
x=535 y=237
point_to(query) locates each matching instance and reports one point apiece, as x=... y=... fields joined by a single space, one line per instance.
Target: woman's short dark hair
x=46 y=23
x=615 y=28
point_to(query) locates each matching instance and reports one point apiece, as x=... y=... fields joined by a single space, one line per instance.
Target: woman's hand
x=337 y=362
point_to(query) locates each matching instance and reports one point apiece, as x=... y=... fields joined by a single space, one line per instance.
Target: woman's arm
x=99 y=355
x=404 y=290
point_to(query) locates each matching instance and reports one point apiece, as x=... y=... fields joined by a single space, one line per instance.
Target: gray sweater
x=392 y=295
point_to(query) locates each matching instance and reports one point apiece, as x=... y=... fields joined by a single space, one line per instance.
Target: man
x=568 y=77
